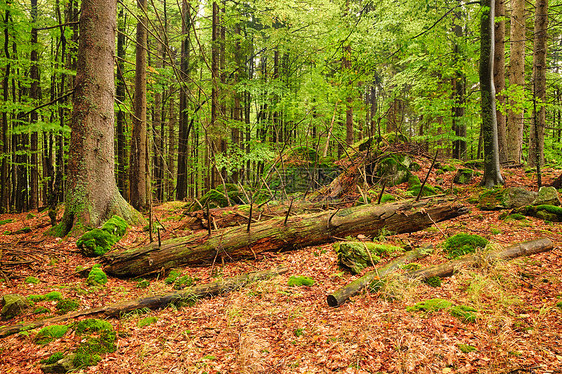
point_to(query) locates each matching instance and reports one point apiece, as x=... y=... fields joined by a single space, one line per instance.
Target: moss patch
x=67 y=305
x=99 y=338
x=50 y=333
x=143 y=283
x=5 y=221
x=52 y=296
x=431 y=305
x=53 y=358
x=32 y=280
x=172 y=276
x=356 y=256
x=96 y=276
x=433 y=281
x=464 y=313
x=147 y=321
x=97 y=242
x=465 y=348
x=300 y=280
x=462 y=244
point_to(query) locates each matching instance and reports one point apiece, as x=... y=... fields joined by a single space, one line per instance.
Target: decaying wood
x=154 y=301
x=449 y=268
x=273 y=235
x=338 y=297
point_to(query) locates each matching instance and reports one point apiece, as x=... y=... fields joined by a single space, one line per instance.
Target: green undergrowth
x=180 y=281
x=97 y=242
x=147 y=321
x=32 y=280
x=51 y=296
x=98 y=338
x=433 y=281
x=462 y=312
x=67 y=305
x=49 y=333
x=299 y=281
x=461 y=244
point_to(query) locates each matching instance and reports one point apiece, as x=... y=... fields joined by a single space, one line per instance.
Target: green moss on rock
x=431 y=305
x=67 y=305
x=53 y=358
x=96 y=276
x=300 y=280
x=14 y=305
x=115 y=226
x=36 y=298
x=50 y=333
x=96 y=242
x=461 y=244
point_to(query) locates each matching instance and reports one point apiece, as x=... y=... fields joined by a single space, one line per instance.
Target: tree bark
x=459 y=92
x=121 y=127
x=338 y=297
x=536 y=136
x=138 y=167
x=499 y=76
x=34 y=117
x=449 y=268
x=492 y=174
x=280 y=234
x=516 y=73
x=92 y=192
x=4 y=172
x=156 y=301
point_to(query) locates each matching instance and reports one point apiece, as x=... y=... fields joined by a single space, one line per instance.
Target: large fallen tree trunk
x=449 y=268
x=280 y=234
x=154 y=301
x=341 y=295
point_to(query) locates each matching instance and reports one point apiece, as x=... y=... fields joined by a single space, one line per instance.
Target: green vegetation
x=464 y=313
x=184 y=281
x=50 y=333
x=300 y=280
x=386 y=198
x=5 y=221
x=433 y=281
x=491 y=199
x=41 y=310
x=356 y=256
x=67 y=305
x=461 y=244
x=92 y=325
x=53 y=358
x=35 y=298
x=147 y=321
x=32 y=280
x=143 y=283
x=172 y=276
x=97 y=242
x=53 y=295
x=96 y=276
x=431 y=305
x=465 y=348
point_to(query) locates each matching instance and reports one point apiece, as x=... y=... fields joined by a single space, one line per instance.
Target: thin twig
x=427 y=176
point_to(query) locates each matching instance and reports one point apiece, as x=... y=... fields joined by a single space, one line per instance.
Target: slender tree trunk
x=516 y=72
x=121 y=127
x=138 y=163
x=34 y=96
x=459 y=145
x=492 y=174
x=536 y=138
x=183 y=138
x=93 y=195
x=5 y=185
x=499 y=76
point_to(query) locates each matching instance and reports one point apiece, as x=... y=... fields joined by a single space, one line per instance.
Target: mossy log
x=279 y=234
x=153 y=302
x=449 y=268
x=338 y=297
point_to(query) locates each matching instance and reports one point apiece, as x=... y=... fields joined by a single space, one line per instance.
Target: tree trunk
x=92 y=192
x=183 y=138
x=34 y=96
x=515 y=117
x=492 y=174
x=338 y=297
x=121 y=127
x=449 y=268
x=278 y=234
x=499 y=75
x=536 y=136
x=459 y=91
x=138 y=166
x=4 y=173
x=153 y=302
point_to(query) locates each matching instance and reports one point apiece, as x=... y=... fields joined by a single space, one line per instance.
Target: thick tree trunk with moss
x=92 y=195
x=279 y=234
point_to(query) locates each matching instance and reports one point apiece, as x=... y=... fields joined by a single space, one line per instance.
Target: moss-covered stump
x=356 y=256
x=97 y=242
x=462 y=244
x=13 y=305
x=545 y=212
x=463 y=176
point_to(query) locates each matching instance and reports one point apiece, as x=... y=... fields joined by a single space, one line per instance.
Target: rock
x=463 y=176
x=14 y=305
x=547 y=196
x=64 y=365
x=516 y=197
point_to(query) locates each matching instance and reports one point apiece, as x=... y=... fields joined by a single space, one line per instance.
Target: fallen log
x=449 y=268
x=153 y=302
x=280 y=234
x=338 y=297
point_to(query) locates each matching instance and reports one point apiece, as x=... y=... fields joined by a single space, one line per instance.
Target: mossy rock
x=92 y=325
x=41 y=310
x=474 y=164
x=36 y=298
x=116 y=226
x=217 y=197
x=550 y=213
x=464 y=313
x=463 y=176
x=299 y=281
x=505 y=198
x=431 y=305
x=147 y=321
x=387 y=198
x=547 y=196
x=32 y=280
x=67 y=305
x=14 y=305
x=461 y=244
x=428 y=190
x=63 y=365
x=99 y=338
x=49 y=333
x=394 y=169
x=96 y=276
x=96 y=242
x=356 y=256
x=53 y=358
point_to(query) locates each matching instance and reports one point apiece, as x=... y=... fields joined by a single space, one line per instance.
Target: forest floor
x=269 y=327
